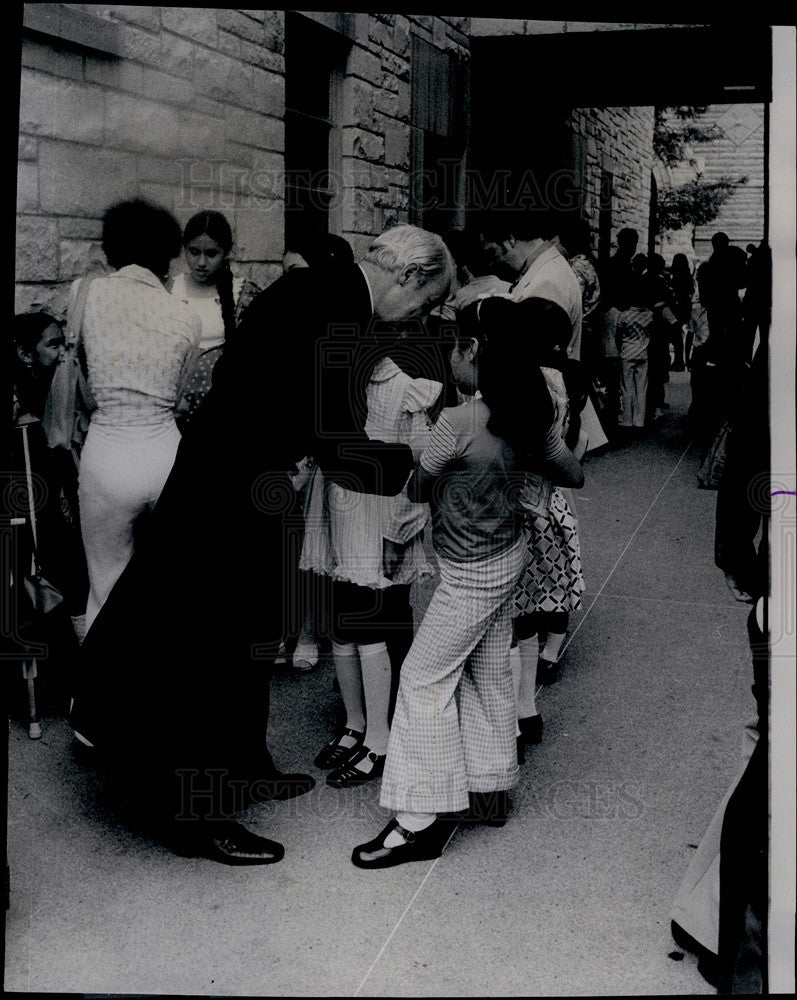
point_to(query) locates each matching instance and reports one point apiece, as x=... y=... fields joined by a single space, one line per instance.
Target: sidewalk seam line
x=404 y=914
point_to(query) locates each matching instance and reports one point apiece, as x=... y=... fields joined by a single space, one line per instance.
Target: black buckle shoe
x=333 y=754
x=350 y=776
x=423 y=846
x=229 y=843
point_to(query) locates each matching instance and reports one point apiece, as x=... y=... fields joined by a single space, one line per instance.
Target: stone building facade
x=612 y=160
x=187 y=107
x=225 y=108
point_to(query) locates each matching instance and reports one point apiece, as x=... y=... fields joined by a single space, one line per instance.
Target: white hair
x=403 y=246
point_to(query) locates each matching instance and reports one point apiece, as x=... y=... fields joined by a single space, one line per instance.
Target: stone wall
x=376 y=112
x=618 y=140
x=189 y=113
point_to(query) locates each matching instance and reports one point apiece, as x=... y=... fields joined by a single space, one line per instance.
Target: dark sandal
x=349 y=776
x=547 y=671
x=333 y=754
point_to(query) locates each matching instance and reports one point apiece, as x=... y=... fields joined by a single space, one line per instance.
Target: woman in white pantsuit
x=140 y=343
x=471 y=471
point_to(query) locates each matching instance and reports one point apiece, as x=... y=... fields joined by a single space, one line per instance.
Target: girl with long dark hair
x=472 y=471
x=218 y=298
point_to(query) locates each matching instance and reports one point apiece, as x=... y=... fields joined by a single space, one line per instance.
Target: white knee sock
x=551 y=646
x=414 y=822
x=375 y=667
x=514 y=662
x=347 y=665
x=529 y=651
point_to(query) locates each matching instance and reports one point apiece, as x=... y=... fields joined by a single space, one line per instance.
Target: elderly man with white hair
x=172 y=684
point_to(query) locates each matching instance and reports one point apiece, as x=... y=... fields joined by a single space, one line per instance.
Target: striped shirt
x=633 y=329
x=474 y=510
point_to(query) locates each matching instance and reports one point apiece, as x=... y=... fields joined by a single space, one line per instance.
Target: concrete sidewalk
x=571 y=897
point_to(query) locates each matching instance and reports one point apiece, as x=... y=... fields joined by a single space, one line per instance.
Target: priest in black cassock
x=172 y=684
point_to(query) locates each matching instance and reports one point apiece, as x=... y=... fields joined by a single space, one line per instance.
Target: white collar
x=134 y=272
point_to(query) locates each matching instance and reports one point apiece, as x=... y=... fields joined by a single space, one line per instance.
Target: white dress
x=345 y=530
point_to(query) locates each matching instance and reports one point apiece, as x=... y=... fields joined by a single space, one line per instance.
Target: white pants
x=633 y=392
x=122 y=473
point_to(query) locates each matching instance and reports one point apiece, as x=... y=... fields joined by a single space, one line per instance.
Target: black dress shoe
x=422 y=846
x=547 y=671
x=349 y=775
x=531 y=729
x=228 y=843
x=333 y=754
x=278 y=787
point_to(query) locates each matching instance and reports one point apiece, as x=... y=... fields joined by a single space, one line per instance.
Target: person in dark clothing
x=173 y=674
x=718 y=365
x=657 y=294
x=682 y=288
x=734 y=959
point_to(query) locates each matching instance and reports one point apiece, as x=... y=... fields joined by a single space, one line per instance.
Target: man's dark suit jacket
x=174 y=666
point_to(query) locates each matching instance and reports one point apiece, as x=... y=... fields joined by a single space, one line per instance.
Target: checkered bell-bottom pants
x=436 y=754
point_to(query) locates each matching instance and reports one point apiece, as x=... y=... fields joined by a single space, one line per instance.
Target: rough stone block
x=53 y=107
x=80 y=229
x=256 y=130
x=239 y=23
x=177 y=55
x=364 y=145
x=192 y=22
x=50 y=298
x=77 y=257
x=274 y=30
x=263 y=57
x=365 y=65
x=141 y=46
x=230 y=44
x=164 y=87
x=51 y=59
x=397 y=146
x=116 y=73
x=359 y=102
x=259 y=230
x=266 y=92
x=144 y=17
x=28 y=148
x=81 y=180
x=27 y=187
x=36 y=249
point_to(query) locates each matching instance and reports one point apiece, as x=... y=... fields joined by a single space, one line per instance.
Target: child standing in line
x=553 y=582
x=634 y=327
x=438 y=755
x=372 y=548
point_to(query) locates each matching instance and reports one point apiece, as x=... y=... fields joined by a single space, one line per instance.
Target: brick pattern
x=376 y=114
x=618 y=140
x=191 y=115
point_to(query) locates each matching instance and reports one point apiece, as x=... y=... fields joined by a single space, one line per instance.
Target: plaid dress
x=553 y=580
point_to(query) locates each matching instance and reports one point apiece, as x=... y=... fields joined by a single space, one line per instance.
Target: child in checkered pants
x=470 y=471
x=633 y=339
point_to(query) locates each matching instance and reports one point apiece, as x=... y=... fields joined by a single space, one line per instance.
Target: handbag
x=70 y=402
x=710 y=474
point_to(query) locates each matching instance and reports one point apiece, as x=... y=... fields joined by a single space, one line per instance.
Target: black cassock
x=173 y=674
